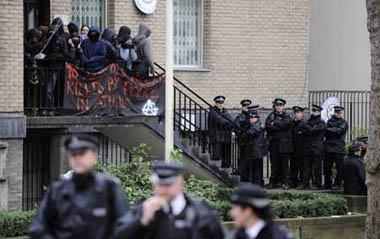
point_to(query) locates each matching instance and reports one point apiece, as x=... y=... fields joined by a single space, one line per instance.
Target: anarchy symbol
x=150 y=109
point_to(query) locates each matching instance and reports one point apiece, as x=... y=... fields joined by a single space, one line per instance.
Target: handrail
x=198 y=96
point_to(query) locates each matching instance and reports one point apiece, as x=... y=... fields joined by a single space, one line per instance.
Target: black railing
x=219 y=137
x=37 y=162
x=43 y=87
x=357 y=108
x=191 y=110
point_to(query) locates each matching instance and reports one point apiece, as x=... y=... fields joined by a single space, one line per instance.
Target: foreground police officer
x=335 y=135
x=220 y=123
x=314 y=134
x=363 y=141
x=354 y=172
x=85 y=205
x=278 y=126
x=252 y=215
x=169 y=213
x=254 y=150
x=297 y=158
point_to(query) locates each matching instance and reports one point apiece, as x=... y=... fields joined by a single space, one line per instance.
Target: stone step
x=216 y=163
x=226 y=170
x=196 y=150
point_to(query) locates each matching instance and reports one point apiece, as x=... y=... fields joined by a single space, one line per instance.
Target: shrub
x=14 y=224
x=135 y=177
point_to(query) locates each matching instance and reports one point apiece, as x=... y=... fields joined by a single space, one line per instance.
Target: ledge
x=192 y=69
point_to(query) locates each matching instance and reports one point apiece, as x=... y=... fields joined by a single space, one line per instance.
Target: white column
x=169 y=95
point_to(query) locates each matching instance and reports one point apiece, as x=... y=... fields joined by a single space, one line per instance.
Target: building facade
x=255 y=49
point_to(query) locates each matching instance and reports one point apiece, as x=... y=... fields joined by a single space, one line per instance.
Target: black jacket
x=279 y=127
x=335 y=134
x=56 y=52
x=354 y=175
x=242 y=120
x=254 y=141
x=270 y=231
x=298 y=135
x=85 y=208
x=110 y=37
x=314 y=134
x=202 y=221
x=220 y=125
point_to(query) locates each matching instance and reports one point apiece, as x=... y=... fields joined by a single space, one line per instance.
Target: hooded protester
x=127 y=51
x=124 y=32
x=144 y=51
x=56 y=54
x=61 y=31
x=109 y=36
x=73 y=27
x=33 y=44
x=94 y=51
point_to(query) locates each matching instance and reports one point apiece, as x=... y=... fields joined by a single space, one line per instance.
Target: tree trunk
x=372 y=160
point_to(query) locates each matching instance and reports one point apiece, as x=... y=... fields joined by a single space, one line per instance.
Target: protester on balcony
x=56 y=54
x=353 y=171
x=32 y=44
x=73 y=27
x=84 y=32
x=61 y=31
x=145 y=62
x=75 y=50
x=94 y=51
x=109 y=37
x=44 y=32
x=220 y=124
x=127 y=52
x=124 y=32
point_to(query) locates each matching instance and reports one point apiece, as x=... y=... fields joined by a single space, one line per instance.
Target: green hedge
x=15 y=224
x=135 y=179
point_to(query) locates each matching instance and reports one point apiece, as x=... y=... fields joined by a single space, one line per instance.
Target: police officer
x=278 y=126
x=170 y=213
x=313 y=137
x=354 y=172
x=252 y=214
x=297 y=158
x=363 y=141
x=85 y=205
x=220 y=124
x=242 y=120
x=335 y=134
x=254 y=148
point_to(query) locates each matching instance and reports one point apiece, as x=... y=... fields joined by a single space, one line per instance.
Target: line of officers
x=88 y=205
x=298 y=148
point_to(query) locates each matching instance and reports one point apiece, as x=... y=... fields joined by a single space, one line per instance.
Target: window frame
x=200 y=39
x=104 y=15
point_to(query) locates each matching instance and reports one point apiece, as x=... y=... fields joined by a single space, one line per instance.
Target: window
x=187 y=33
x=89 y=12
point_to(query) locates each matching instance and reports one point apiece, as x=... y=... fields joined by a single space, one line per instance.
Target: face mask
x=76 y=41
x=93 y=36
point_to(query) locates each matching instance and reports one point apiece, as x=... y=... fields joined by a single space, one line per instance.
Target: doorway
x=36 y=13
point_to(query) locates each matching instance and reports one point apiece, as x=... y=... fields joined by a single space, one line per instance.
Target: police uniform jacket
x=335 y=134
x=278 y=127
x=220 y=124
x=199 y=221
x=298 y=134
x=354 y=175
x=270 y=231
x=314 y=134
x=242 y=120
x=85 y=209
x=254 y=140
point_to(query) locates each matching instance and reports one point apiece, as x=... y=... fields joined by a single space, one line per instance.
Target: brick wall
x=255 y=48
x=60 y=7
x=11 y=55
